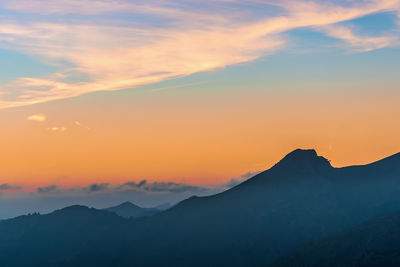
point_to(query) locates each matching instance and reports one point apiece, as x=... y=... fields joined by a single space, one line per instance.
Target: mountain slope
x=48 y=240
x=300 y=199
x=164 y=206
x=375 y=242
x=130 y=210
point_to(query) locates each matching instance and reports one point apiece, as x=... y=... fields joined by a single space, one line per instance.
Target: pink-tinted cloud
x=360 y=43
x=126 y=55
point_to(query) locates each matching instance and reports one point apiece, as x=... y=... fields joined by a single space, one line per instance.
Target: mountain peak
x=74 y=208
x=129 y=210
x=302 y=158
x=302 y=153
x=127 y=204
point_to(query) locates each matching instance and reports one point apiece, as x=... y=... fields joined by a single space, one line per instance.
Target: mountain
x=50 y=240
x=164 y=206
x=130 y=210
x=300 y=199
x=375 y=242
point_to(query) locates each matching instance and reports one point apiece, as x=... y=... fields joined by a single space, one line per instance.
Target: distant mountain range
x=259 y=222
x=130 y=210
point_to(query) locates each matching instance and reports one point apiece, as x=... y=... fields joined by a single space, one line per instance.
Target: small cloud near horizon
x=97 y=187
x=238 y=180
x=6 y=186
x=145 y=187
x=142 y=186
x=47 y=198
x=47 y=189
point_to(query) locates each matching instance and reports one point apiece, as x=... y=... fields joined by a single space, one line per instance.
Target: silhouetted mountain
x=300 y=199
x=375 y=242
x=130 y=210
x=49 y=240
x=164 y=206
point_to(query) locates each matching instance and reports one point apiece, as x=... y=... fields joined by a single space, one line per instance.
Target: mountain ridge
x=129 y=210
x=252 y=224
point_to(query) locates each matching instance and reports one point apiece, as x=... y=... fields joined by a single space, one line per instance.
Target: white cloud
x=57 y=129
x=37 y=117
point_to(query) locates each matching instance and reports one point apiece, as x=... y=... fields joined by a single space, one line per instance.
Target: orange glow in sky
x=199 y=138
x=196 y=92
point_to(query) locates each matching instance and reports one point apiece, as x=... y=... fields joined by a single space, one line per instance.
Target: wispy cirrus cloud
x=168 y=39
x=85 y=7
x=164 y=9
x=360 y=43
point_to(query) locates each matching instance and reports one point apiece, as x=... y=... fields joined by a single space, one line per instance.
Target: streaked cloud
x=142 y=186
x=161 y=187
x=175 y=39
x=360 y=43
x=37 y=117
x=6 y=187
x=84 y=7
x=48 y=189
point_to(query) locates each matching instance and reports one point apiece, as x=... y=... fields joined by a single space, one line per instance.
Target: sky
x=97 y=96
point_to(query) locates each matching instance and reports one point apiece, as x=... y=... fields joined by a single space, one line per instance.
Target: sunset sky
x=191 y=92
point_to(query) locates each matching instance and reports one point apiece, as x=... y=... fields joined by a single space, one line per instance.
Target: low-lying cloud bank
x=142 y=186
x=6 y=187
x=15 y=201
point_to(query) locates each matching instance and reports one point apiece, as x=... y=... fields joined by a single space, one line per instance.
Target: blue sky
x=61 y=49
